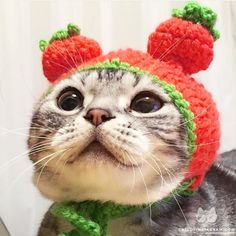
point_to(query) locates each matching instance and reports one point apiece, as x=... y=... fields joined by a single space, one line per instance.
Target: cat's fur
x=212 y=209
x=140 y=158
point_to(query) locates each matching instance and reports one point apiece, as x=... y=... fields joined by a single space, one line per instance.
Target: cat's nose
x=97 y=116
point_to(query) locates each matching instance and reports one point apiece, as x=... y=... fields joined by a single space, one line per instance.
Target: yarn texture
x=178 y=47
x=199 y=15
x=90 y=218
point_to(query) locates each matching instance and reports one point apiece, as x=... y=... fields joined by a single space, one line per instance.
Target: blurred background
x=114 y=24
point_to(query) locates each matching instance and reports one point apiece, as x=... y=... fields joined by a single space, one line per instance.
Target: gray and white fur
x=128 y=157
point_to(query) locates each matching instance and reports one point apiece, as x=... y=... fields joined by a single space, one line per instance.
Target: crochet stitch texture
x=90 y=218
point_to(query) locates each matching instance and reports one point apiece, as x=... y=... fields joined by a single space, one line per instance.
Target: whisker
x=195 y=117
x=57 y=64
x=149 y=202
x=68 y=52
x=156 y=171
x=42 y=168
x=65 y=59
x=22 y=134
x=14 y=131
x=12 y=161
x=172 y=47
x=161 y=42
x=81 y=58
x=177 y=203
x=63 y=167
x=64 y=163
x=134 y=174
x=180 y=145
x=182 y=212
x=157 y=48
x=27 y=152
x=29 y=168
x=144 y=182
x=166 y=169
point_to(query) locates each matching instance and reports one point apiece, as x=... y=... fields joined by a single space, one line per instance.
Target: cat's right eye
x=70 y=99
x=146 y=102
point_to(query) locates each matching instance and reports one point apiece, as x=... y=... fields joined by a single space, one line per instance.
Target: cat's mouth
x=96 y=151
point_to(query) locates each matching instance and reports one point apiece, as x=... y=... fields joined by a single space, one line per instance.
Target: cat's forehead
x=110 y=82
x=107 y=81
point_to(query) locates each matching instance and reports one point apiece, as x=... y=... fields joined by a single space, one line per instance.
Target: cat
x=113 y=135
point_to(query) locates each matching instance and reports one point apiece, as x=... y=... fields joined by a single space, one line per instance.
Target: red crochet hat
x=179 y=47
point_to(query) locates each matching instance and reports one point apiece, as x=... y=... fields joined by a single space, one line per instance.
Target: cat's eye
x=146 y=102
x=70 y=99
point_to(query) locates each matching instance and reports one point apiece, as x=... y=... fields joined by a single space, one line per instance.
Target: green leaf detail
x=199 y=15
x=59 y=35
x=43 y=44
x=72 y=29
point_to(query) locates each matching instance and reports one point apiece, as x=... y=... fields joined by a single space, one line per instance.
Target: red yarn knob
x=186 y=39
x=66 y=51
x=182 y=42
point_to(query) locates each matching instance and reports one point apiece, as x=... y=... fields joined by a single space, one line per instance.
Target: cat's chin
x=96 y=152
x=90 y=181
x=132 y=197
x=96 y=174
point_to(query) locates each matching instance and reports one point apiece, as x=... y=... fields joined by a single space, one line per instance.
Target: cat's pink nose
x=97 y=116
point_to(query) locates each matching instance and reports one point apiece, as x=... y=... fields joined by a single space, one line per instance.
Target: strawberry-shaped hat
x=179 y=47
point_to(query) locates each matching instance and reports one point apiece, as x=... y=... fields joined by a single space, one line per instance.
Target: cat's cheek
x=48 y=189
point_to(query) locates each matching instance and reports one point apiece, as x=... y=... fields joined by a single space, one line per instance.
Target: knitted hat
x=179 y=47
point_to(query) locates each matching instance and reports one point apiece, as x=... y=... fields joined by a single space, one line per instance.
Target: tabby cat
x=113 y=135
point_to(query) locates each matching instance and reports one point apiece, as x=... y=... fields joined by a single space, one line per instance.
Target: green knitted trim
x=91 y=218
x=177 y=98
x=199 y=15
x=71 y=30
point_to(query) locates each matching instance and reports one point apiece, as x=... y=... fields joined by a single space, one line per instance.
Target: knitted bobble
x=186 y=39
x=65 y=51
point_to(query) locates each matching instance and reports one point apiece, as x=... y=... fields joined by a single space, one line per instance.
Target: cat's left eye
x=146 y=102
x=70 y=99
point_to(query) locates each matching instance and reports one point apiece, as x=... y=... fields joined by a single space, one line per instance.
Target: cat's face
x=107 y=135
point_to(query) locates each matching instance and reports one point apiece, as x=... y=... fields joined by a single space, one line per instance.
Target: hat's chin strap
x=90 y=218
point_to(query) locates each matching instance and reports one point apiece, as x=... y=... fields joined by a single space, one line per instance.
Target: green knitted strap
x=71 y=30
x=199 y=15
x=90 y=218
x=68 y=211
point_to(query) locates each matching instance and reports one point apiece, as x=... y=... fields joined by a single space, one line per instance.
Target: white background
x=115 y=24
